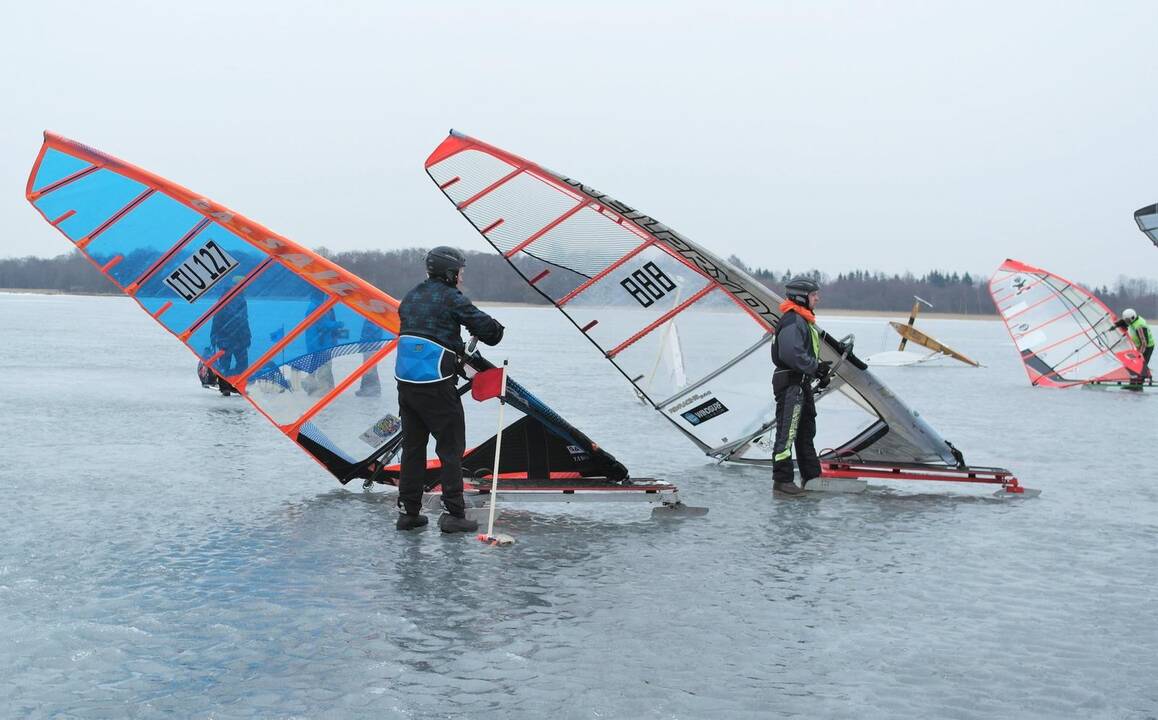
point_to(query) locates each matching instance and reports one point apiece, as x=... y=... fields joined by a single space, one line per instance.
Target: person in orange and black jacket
x=796 y=355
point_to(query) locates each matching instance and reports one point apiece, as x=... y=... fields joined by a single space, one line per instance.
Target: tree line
x=490 y=278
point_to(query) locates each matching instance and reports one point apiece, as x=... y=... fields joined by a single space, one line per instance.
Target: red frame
x=986 y=476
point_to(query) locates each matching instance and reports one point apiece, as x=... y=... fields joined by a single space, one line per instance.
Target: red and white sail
x=1064 y=334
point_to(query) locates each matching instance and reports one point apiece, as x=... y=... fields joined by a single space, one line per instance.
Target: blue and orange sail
x=297 y=335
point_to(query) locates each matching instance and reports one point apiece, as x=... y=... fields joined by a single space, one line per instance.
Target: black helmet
x=799 y=287
x=444 y=263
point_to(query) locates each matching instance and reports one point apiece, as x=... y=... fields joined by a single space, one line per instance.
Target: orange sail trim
x=360 y=295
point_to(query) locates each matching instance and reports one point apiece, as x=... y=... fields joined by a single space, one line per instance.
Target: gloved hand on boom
x=823 y=369
x=823 y=374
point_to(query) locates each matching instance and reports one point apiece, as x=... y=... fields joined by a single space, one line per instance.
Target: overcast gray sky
x=881 y=135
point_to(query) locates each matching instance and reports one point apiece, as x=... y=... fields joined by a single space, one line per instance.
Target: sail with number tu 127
x=309 y=344
x=1065 y=335
x=620 y=277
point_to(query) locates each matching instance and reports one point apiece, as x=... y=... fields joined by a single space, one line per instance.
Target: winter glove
x=823 y=374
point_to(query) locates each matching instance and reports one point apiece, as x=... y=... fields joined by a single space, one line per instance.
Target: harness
x=421 y=360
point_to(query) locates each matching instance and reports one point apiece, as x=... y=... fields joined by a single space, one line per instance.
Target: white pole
x=498 y=452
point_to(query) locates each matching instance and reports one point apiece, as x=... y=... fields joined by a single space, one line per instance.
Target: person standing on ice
x=429 y=347
x=229 y=332
x=1141 y=335
x=796 y=355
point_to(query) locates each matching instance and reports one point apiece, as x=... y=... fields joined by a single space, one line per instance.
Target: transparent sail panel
x=587 y=242
x=467 y=173
x=513 y=212
x=364 y=417
x=712 y=335
x=326 y=352
x=634 y=297
x=844 y=414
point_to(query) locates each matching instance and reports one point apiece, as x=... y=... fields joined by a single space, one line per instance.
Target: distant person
x=796 y=355
x=371 y=384
x=322 y=336
x=229 y=332
x=1141 y=335
x=429 y=347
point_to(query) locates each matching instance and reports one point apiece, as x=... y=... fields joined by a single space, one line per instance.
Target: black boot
x=411 y=522
x=452 y=523
x=787 y=489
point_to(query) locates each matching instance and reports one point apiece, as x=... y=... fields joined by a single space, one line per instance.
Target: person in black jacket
x=796 y=355
x=229 y=332
x=429 y=348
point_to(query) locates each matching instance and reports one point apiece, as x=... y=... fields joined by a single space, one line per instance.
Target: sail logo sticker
x=382 y=430
x=673 y=409
x=204 y=269
x=704 y=412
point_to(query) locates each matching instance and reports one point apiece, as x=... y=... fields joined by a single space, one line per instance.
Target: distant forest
x=489 y=278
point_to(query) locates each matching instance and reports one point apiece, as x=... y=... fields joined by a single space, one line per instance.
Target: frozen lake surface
x=165 y=552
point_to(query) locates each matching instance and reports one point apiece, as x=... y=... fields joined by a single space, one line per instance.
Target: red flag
x=487 y=384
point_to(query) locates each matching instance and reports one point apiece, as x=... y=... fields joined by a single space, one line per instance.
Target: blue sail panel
x=56 y=166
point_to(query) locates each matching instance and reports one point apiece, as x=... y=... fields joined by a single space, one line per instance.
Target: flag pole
x=490 y=536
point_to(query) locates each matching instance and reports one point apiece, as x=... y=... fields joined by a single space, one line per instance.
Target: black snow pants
x=431 y=409
x=795 y=427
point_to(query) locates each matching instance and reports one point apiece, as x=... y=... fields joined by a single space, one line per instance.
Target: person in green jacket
x=1141 y=335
